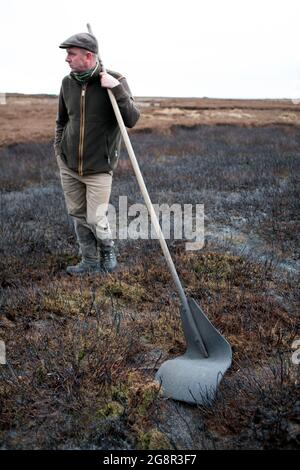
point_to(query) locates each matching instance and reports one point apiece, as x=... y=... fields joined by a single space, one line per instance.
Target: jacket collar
x=89 y=76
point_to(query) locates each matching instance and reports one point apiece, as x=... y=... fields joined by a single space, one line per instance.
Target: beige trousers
x=87 y=199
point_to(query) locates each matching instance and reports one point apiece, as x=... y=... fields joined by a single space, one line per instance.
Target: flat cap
x=83 y=40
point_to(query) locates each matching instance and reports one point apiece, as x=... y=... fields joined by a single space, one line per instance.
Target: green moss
x=120 y=392
x=122 y=290
x=81 y=355
x=153 y=440
x=221 y=268
x=67 y=302
x=142 y=396
x=112 y=409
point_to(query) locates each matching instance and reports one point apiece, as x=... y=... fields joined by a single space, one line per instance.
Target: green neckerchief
x=83 y=77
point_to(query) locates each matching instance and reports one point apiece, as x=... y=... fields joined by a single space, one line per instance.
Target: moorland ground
x=82 y=353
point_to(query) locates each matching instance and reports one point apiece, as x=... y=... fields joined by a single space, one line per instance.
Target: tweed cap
x=83 y=40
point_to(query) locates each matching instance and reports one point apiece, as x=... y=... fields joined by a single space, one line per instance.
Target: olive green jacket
x=87 y=135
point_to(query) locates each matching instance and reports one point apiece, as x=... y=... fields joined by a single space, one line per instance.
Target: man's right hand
x=108 y=81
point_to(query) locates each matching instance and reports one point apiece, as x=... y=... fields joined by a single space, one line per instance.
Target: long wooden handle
x=153 y=215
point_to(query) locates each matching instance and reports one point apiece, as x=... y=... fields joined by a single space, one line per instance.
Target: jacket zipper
x=81 y=133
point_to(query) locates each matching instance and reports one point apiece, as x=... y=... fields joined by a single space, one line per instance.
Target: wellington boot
x=108 y=259
x=84 y=267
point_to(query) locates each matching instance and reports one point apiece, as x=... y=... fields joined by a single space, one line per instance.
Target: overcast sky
x=213 y=48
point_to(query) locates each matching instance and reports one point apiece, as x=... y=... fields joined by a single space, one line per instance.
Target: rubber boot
x=84 y=267
x=90 y=262
x=108 y=259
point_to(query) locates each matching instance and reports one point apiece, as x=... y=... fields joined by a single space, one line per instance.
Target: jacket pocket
x=112 y=153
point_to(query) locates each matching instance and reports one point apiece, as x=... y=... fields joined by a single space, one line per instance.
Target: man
x=87 y=145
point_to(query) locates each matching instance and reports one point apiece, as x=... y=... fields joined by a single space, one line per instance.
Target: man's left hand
x=108 y=81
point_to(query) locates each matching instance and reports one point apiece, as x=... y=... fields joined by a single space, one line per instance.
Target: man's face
x=77 y=59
